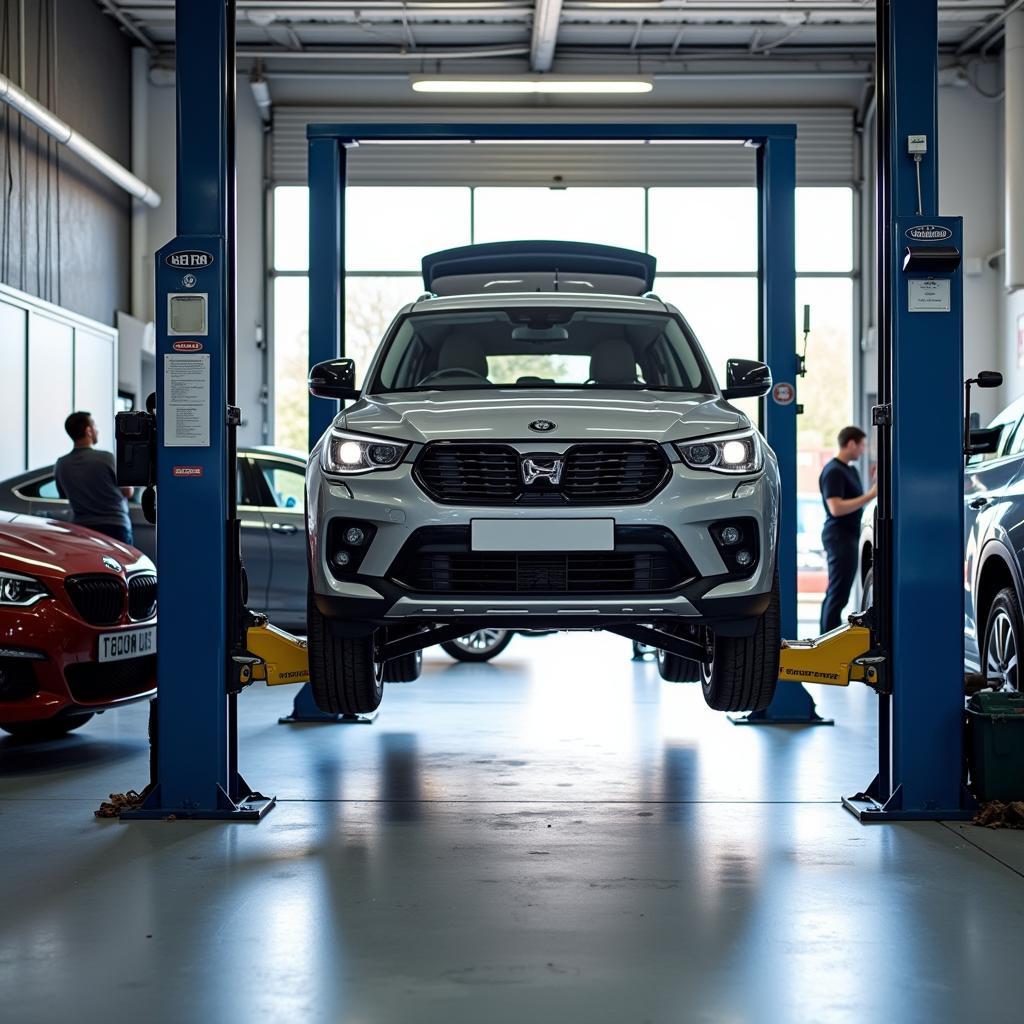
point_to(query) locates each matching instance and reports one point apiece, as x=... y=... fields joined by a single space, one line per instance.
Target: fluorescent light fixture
x=532 y=84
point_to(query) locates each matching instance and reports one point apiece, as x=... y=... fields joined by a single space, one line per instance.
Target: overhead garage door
x=825 y=150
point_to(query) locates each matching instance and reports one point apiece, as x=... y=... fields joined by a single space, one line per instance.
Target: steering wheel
x=451 y=371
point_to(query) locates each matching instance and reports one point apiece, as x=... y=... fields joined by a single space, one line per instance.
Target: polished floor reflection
x=557 y=835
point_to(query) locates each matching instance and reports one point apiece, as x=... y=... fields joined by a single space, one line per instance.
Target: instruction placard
x=928 y=295
x=186 y=400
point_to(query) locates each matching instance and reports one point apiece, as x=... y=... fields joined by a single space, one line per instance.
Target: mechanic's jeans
x=842 y=571
x=122 y=533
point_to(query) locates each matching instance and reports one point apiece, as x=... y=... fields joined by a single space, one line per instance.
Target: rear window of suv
x=541 y=348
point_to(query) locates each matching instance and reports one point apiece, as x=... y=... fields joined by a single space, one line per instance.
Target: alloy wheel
x=1001 y=654
x=480 y=641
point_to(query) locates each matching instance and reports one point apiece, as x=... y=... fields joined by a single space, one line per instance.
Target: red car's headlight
x=17 y=591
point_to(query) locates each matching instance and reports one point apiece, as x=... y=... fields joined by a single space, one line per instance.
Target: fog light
x=744 y=558
x=354 y=536
x=731 y=535
x=342 y=558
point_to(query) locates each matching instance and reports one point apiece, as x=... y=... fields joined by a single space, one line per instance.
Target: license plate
x=542 y=535
x=132 y=643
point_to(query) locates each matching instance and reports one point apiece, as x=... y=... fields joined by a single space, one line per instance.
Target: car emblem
x=542 y=468
x=543 y=426
x=112 y=563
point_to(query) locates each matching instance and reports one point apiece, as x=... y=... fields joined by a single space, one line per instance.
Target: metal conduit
x=64 y=133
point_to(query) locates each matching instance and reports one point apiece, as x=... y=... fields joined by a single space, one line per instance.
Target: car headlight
x=350 y=453
x=17 y=591
x=728 y=453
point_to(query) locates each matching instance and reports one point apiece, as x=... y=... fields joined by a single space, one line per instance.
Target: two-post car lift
x=912 y=655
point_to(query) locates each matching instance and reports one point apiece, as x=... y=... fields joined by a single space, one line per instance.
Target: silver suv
x=539 y=443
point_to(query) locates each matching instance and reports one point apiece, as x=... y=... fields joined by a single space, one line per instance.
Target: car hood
x=505 y=414
x=47 y=548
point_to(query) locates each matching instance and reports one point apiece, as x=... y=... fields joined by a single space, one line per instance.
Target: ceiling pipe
x=64 y=133
x=1013 y=113
x=547 y=15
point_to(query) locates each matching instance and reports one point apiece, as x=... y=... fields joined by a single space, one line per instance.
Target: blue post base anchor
x=246 y=806
x=305 y=711
x=870 y=808
x=792 y=705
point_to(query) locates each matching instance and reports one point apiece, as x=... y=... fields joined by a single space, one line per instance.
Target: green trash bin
x=995 y=746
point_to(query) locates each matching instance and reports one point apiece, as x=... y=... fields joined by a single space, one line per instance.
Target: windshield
x=544 y=347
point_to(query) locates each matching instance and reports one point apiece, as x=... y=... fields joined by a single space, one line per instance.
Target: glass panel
x=291 y=362
x=826 y=394
x=371 y=303
x=12 y=408
x=394 y=228
x=50 y=388
x=291 y=227
x=287 y=484
x=824 y=229
x=609 y=216
x=703 y=229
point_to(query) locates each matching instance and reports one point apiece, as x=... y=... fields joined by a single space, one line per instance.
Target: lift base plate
x=869 y=811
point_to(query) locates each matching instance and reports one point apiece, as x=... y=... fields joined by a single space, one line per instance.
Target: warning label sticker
x=186 y=400
x=928 y=295
x=783 y=393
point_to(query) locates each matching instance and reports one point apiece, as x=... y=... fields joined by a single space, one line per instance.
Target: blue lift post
x=776 y=181
x=196 y=772
x=919 y=529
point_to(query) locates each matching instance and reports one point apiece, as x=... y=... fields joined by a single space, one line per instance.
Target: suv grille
x=141 y=596
x=438 y=560
x=98 y=599
x=454 y=473
x=91 y=682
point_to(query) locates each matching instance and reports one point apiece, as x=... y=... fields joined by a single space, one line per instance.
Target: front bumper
x=395 y=507
x=50 y=656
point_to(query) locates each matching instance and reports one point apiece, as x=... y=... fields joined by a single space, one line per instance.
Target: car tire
x=47 y=729
x=674 y=668
x=344 y=674
x=405 y=669
x=478 y=645
x=1003 y=646
x=867 y=591
x=743 y=671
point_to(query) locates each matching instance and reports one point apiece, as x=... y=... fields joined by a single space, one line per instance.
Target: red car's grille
x=98 y=599
x=141 y=597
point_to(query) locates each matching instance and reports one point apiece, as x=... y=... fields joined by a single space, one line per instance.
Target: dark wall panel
x=64 y=229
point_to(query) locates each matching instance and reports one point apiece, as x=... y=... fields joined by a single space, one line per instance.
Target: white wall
x=250 y=273
x=970 y=176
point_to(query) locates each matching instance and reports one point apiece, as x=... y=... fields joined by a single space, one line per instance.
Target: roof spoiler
x=538 y=266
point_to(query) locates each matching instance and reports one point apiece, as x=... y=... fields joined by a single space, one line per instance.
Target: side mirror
x=335 y=378
x=990 y=379
x=746 y=378
x=985 y=379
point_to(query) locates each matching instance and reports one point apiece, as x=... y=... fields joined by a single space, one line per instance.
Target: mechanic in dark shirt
x=87 y=477
x=843 y=496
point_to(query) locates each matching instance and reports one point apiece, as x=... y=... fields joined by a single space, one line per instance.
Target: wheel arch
x=997 y=569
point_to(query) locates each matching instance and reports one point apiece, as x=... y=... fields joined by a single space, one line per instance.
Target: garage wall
x=64 y=229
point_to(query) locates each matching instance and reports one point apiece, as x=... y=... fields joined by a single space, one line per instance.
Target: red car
x=77 y=625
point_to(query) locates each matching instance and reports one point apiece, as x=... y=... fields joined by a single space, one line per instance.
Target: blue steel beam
x=919 y=562
x=195 y=771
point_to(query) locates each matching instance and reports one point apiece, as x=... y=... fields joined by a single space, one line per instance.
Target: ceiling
x=551 y=35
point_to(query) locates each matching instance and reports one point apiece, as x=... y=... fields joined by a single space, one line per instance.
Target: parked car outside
x=77 y=625
x=542 y=458
x=811 y=564
x=271 y=491
x=993 y=554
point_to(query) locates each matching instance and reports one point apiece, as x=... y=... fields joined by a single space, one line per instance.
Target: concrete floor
x=557 y=836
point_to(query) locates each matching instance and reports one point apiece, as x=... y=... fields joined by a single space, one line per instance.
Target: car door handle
x=979 y=503
x=283 y=527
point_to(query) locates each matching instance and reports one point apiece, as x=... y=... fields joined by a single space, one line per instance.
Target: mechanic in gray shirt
x=87 y=477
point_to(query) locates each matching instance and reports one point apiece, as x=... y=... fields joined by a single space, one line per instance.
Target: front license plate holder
x=542 y=534
x=126 y=644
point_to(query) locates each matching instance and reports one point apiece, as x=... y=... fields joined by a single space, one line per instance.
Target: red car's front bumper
x=49 y=665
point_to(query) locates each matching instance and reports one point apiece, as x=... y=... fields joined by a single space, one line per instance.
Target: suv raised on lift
x=539 y=443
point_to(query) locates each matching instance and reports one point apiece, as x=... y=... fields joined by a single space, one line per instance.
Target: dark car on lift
x=271 y=490
x=993 y=550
